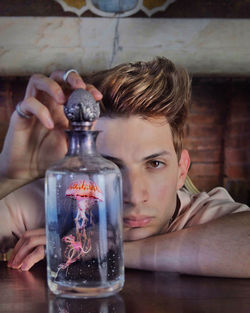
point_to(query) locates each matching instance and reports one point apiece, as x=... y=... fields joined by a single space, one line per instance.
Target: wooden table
x=144 y=292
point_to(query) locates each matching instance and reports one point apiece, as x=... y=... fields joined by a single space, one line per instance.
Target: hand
x=32 y=145
x=29 y=250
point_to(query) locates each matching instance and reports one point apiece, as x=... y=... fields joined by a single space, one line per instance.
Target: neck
x=82 y=142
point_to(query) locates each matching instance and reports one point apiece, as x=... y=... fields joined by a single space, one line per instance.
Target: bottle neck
x=81 y=142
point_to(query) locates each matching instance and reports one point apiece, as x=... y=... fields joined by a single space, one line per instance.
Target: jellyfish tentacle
x=73 y=251
x=85 y=193
x=86 y=243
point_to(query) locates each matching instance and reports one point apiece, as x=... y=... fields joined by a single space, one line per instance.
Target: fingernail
x=79 y=82
x=24 y=267
x=14 y=265
x=61 y=96
x=97 y=94
x=50 y=123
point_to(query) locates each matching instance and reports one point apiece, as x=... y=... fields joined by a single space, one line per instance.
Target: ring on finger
x=21 y=113
x=66 y=74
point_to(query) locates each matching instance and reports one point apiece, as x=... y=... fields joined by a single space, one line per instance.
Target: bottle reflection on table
x=113 y=304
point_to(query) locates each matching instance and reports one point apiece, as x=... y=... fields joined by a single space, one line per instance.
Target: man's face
x=144 y=151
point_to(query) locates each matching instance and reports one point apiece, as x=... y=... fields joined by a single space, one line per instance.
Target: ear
x=183 y=168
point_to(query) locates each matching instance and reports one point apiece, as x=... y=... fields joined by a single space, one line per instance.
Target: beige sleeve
x=204 y=207
x=218 y=203
x=21 y=210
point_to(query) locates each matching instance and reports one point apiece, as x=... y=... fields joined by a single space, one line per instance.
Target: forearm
x=21 y=211
x=9 y=185
x=8 y=182
x=217 y=248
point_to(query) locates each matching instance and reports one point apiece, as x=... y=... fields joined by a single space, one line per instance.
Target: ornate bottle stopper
x=81 y=109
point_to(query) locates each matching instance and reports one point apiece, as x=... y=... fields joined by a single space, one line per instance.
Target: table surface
x=144 y=292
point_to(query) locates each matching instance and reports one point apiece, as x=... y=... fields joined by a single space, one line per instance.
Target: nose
x=135 y=190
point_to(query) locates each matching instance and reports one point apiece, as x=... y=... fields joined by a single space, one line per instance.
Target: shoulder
x=204 y=206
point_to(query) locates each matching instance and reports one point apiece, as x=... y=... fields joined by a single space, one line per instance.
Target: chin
x=137 y=233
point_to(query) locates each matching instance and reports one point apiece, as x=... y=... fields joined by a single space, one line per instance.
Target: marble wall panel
x=204 y=46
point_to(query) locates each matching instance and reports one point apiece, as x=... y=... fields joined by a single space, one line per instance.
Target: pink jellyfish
x=85 y=193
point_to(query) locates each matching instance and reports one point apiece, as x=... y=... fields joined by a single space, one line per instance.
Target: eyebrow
x=113 y=159
x=149 y=157
x=156 y=155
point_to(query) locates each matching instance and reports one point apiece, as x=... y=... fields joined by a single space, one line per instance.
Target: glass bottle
x=83 y=200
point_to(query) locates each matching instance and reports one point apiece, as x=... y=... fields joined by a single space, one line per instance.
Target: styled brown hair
x=149 y=89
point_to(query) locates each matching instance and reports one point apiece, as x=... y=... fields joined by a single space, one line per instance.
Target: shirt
x=204 y=207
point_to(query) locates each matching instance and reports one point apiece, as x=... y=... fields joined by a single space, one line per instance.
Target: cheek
x=159 y=191
x=164 y=180
x=163 y=191
x=164 y=202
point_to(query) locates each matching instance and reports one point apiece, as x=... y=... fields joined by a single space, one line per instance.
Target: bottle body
x=84 y=227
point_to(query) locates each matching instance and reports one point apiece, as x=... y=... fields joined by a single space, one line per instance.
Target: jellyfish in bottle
x=86 y=193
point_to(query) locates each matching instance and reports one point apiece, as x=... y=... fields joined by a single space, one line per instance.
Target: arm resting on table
x=20 y=211
x=217 y=248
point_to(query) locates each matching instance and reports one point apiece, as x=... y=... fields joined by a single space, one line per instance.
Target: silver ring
x=66 y=74
x=21 y=113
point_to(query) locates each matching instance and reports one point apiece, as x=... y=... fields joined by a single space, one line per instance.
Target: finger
x=28 y=240
x=27 y=234
x=94 y=91
x=26 y=248
x=36 y=108
x=35 y=256
x=73 y=79
x=39 y=82
x=15 y=250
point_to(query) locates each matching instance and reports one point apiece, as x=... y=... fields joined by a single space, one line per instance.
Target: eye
x=155 y=164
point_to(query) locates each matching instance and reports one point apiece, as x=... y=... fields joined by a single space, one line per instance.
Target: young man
x=144 y=108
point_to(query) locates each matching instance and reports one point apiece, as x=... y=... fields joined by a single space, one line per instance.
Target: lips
x=137 y=221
